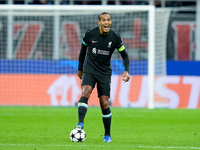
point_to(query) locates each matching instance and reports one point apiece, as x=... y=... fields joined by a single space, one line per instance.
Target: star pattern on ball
x=73 y=135
x=77 y=135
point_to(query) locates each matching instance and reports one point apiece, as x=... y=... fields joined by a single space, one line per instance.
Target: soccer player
x=94 y=67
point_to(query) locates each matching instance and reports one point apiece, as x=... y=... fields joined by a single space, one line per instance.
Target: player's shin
x=82 y=108
x=106 y=116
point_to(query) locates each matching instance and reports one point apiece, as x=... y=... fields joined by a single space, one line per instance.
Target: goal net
x=40 y=45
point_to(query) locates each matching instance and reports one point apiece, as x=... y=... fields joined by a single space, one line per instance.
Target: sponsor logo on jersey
x=103 y=52
x=94 y=50
x=99 y=51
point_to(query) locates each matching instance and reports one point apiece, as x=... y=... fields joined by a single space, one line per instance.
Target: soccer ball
x=77 y=135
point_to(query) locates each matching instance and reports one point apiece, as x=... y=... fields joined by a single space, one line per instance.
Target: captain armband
x=121 y=48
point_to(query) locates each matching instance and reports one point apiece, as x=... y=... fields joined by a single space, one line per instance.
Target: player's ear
x=98 y=22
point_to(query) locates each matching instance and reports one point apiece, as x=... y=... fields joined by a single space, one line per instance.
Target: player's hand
x=79 y=74
x=125 y=76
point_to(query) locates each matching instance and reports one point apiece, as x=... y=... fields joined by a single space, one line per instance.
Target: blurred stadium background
x=39 y=52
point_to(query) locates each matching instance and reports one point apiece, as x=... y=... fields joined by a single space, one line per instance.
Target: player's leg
x=106 y=116
x=83 y=105
x=87 y=85
x=103 y=88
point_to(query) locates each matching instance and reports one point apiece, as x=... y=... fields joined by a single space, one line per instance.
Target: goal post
x=151 y=55
x=54 y=32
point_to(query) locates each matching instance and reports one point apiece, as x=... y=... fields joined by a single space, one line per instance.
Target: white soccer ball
x=77 y=135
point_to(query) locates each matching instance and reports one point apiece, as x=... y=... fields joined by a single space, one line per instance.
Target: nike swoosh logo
x=94 y=41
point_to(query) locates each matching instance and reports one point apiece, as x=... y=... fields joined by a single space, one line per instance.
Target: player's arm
x=81 y=59
x=123 y=53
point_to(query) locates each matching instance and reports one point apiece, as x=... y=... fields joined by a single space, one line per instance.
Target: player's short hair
x=99 y=16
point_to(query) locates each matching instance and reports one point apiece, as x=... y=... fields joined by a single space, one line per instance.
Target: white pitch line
x=134 y=146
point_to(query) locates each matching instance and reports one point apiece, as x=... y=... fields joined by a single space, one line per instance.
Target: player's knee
x=86 y=91
x=104 y=103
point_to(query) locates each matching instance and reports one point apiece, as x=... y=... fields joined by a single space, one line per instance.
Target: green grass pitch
x=48 y=128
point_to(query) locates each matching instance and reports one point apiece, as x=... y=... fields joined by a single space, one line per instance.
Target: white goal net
x=39 y=48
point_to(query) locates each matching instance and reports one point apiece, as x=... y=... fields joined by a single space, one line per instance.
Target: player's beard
x=104 y=31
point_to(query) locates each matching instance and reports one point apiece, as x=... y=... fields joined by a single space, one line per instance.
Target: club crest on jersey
x=109 y=44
